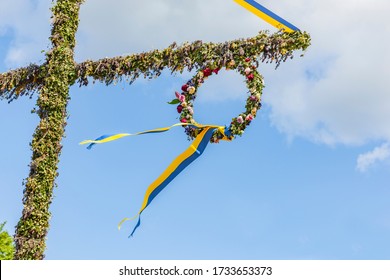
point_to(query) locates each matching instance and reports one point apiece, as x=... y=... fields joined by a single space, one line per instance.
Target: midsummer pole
x=53 y=78
x=59 y=74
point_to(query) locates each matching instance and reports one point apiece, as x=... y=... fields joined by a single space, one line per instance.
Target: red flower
x=184 y=87
x=179 y=109
x=216 y=70
x=250 y=76
x=207 y=72
x=183 y=120
x=247 y=59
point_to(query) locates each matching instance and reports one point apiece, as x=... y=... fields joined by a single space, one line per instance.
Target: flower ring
x=254 y=82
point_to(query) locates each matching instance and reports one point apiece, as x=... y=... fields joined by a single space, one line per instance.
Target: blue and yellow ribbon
x=178 y=165
x=112 y=137
x=267 y=15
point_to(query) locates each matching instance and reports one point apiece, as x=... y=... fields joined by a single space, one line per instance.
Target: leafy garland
x=186 y=98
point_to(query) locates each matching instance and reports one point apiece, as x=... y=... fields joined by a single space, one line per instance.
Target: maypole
x=53 y=78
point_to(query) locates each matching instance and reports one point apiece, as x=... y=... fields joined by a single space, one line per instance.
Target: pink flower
x=249 y=117
x=183 y=120
x=184 y=87
x=247 y=70
x=181 y=97
x=179 y=109
x=240 y=119
x=250 y=77
x=253 y=97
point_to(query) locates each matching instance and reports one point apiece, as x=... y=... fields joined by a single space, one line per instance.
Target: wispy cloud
x=338 y=94
x=28 y=22
x=365 y=161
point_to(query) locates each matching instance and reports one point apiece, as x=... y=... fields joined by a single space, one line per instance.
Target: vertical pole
x=32 y=228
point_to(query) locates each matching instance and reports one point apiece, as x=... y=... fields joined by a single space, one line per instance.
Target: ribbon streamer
x=174 y=169
x=267 y=15
x=196 y=148
x=112 y=137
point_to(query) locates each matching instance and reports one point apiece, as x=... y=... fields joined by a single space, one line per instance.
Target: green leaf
x=7 y=249
x=174 y=101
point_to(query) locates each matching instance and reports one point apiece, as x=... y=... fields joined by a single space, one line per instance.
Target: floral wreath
x=185 y=99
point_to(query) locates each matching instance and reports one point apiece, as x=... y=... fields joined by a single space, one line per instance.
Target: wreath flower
x=254 y=82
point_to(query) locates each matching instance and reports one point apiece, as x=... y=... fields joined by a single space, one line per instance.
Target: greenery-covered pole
x=46 y=146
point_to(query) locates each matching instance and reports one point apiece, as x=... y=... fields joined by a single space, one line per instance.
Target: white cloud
x=135 y=26
x=368 y=159
x=338 y=93
x=28 y=22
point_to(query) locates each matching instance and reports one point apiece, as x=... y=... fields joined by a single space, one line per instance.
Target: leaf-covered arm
x=267 y=48
x=22 y=81
x=276 y=48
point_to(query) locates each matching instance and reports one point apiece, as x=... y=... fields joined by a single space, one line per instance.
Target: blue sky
x=306 y=181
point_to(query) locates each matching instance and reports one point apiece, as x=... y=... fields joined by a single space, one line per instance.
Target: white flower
x=191 y=90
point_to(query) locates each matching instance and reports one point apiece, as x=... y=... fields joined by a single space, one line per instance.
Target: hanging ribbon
x=267 y=15
x=178 y=165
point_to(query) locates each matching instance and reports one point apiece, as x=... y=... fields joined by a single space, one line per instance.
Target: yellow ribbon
x=178 y=164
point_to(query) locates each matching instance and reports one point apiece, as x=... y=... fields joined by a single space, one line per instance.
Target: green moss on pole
x=31 y=231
